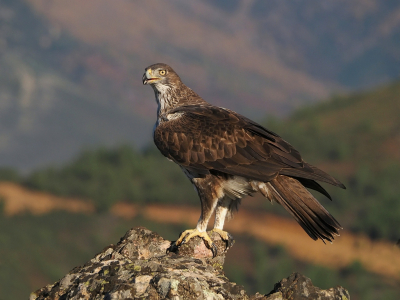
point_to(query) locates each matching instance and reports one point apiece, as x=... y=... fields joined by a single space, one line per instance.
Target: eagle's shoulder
x=192 y=133
x=199 y=119
x=211 y=137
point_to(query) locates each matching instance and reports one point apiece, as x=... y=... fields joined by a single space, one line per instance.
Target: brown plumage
x=228 y=156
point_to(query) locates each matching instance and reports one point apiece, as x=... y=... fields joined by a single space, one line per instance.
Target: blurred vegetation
x=38 y=250
x=268 y=264
x=110 y=175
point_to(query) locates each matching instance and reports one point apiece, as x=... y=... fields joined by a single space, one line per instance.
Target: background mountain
x=70 y=70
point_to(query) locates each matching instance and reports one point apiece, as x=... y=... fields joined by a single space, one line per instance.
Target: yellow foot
x=227 y=237
x=223 y=234
x=190 y=233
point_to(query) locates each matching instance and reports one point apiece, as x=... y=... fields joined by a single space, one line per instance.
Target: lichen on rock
x=141 y=267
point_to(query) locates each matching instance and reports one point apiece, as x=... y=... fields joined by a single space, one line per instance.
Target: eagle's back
x=206 y=137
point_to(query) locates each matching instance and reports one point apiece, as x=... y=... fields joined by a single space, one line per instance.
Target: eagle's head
x=161 y=76
x=168 y=88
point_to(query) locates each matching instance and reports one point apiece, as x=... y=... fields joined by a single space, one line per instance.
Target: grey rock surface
x=299 y=287
x=140 y=267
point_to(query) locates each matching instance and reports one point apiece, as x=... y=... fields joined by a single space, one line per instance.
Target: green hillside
x=362 y=129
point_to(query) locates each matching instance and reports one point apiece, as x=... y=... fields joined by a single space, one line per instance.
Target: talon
x=226 y=236
x=214 y=250
x=190 y=233
x=223 y=234
x=172 y=248
x=182 y=238
x=230 y=241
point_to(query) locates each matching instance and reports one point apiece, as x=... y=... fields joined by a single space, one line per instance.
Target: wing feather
x=207 y=138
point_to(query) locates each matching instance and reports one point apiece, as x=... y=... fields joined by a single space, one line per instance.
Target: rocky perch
x=139 y=267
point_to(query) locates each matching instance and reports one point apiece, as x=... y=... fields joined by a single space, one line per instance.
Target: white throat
x=163 y=98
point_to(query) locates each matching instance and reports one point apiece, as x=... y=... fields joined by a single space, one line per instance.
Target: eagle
x=227 y=156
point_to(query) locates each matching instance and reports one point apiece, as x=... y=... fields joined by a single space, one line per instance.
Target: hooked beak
x=144 y=79
x=147 y=77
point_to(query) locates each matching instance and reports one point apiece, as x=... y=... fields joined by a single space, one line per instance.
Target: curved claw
x=184 y=240
x=183 y=235
x=214 y=250
x=226 y=236
x=229 y=242
x=172 y=248
x=190 y=233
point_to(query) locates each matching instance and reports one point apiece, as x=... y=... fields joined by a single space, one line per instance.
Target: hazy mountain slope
x=214 y=57
x=47 y=113
x=353 y=43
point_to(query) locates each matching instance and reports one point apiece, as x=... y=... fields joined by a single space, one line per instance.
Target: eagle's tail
x=302 y=205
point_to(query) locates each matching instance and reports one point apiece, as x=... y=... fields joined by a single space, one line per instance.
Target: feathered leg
x=209 y=194
x=223 y=207
x=221 y=212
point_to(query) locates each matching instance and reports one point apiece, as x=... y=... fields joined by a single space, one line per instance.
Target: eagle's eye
x=162 y=72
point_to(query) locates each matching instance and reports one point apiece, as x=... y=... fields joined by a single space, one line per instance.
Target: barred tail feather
x=307 y=211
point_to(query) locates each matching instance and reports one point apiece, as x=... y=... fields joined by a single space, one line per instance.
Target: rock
x=139 y=267
x=299 y=287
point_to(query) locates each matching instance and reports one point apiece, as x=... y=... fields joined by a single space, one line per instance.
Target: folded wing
x=205 y=138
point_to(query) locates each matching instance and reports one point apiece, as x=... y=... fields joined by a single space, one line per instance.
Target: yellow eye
x=162 y=72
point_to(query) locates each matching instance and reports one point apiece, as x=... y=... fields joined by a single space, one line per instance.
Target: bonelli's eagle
x=227 y=156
